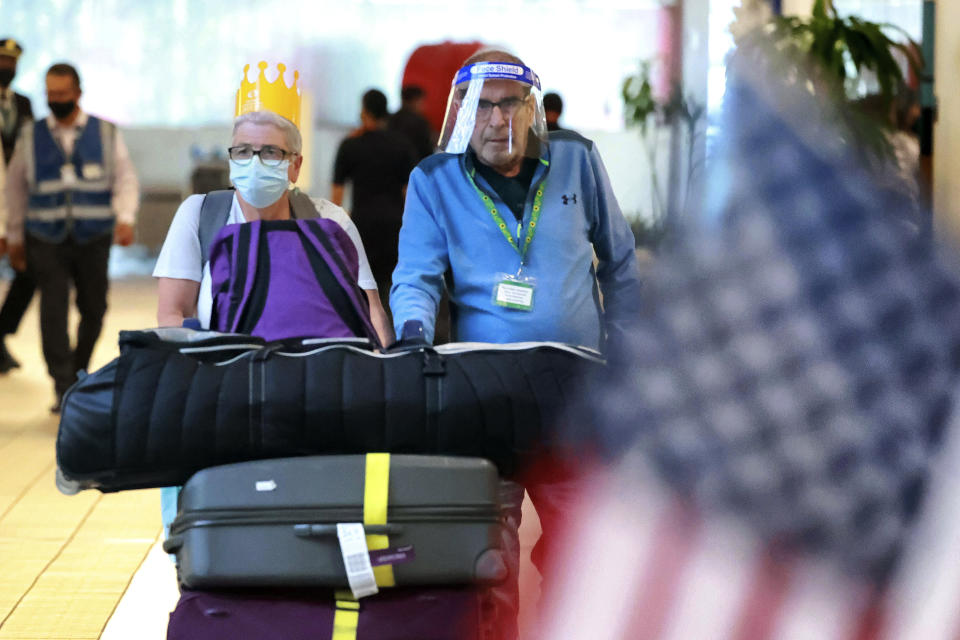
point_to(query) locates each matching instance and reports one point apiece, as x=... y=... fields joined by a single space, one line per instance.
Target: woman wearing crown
x=265 y=158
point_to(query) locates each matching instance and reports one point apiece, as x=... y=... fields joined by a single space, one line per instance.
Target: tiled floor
x=65 y=562
x=89 y=566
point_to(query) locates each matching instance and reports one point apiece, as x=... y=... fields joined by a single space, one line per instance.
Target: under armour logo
x=569 y=199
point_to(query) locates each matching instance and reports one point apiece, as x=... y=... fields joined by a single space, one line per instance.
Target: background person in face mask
x=71 y=191
x=15 y=111
x=265 y=158
x=15 y=108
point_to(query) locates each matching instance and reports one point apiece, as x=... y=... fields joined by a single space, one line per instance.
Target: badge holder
x=68 y=174
x=514 y=291
x=93 y=171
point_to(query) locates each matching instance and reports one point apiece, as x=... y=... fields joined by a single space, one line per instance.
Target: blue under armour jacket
x=447 y=229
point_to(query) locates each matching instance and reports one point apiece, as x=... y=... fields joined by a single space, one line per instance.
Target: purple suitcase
x=392 y=614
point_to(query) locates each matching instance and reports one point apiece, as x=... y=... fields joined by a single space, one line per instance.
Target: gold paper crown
x=275 y=96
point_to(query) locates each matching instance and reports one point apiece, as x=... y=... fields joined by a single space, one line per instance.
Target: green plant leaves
x=842 y=47
x=639 y=102
x=839 y=52
x=653 y=115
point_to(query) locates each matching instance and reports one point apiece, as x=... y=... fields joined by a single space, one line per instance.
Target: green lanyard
x=534 y=217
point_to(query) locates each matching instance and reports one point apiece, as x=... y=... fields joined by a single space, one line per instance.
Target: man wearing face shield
x=265 y=159
x=508 y=220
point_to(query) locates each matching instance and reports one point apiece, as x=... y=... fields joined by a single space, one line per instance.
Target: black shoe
x=7 y=361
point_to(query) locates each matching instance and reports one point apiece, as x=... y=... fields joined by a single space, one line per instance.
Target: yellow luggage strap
x=376 y=488
x=346 y=616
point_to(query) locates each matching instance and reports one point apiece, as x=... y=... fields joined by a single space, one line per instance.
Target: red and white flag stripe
x=644 y=566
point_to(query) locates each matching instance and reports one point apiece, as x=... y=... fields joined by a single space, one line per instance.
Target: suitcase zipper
x=252 y=517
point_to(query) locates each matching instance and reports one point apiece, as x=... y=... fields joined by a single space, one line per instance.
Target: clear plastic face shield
x=497 y=109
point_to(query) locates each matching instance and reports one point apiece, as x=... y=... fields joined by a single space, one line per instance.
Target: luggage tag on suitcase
x=514 y=291
x=356 y=559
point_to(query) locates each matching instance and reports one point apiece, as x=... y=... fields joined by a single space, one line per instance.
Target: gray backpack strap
x=301 y=206
x=214 y=213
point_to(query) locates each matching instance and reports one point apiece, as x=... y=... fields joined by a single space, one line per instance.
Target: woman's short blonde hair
x=290 y=132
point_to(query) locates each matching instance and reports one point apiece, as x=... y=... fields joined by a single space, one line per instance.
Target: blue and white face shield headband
x=511 y=104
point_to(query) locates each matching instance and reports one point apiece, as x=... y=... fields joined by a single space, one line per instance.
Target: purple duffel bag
x=282 y=279
x=392 y=614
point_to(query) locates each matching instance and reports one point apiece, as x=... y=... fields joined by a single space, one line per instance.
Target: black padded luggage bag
x=177 y=401
x=272 y=523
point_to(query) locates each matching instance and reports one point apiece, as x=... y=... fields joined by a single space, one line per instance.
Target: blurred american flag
x=786 y=410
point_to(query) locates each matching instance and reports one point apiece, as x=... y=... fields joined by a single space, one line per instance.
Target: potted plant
x=844 y=57
x=654 y=117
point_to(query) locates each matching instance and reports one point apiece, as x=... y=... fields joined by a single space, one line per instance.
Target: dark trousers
x=18 y=299
x=383 y=290
x=555 y=486
x=55 y=266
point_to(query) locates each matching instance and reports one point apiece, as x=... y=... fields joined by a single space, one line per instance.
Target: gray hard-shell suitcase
x=270 y=523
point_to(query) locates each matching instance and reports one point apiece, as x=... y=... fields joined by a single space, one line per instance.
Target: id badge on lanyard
x=514 y=291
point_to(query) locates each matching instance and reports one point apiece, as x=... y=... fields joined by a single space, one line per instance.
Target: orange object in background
x=432 y=67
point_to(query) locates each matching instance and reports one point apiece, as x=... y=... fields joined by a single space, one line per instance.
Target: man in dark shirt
x=377 y=163
x=552 y=109
x=512 y=190
x=410 y=122
x=15 y=110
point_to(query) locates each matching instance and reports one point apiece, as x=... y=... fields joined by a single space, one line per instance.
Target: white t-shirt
x=180 y=256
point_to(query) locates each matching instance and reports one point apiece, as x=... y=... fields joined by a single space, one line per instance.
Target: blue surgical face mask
x=259 y=184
